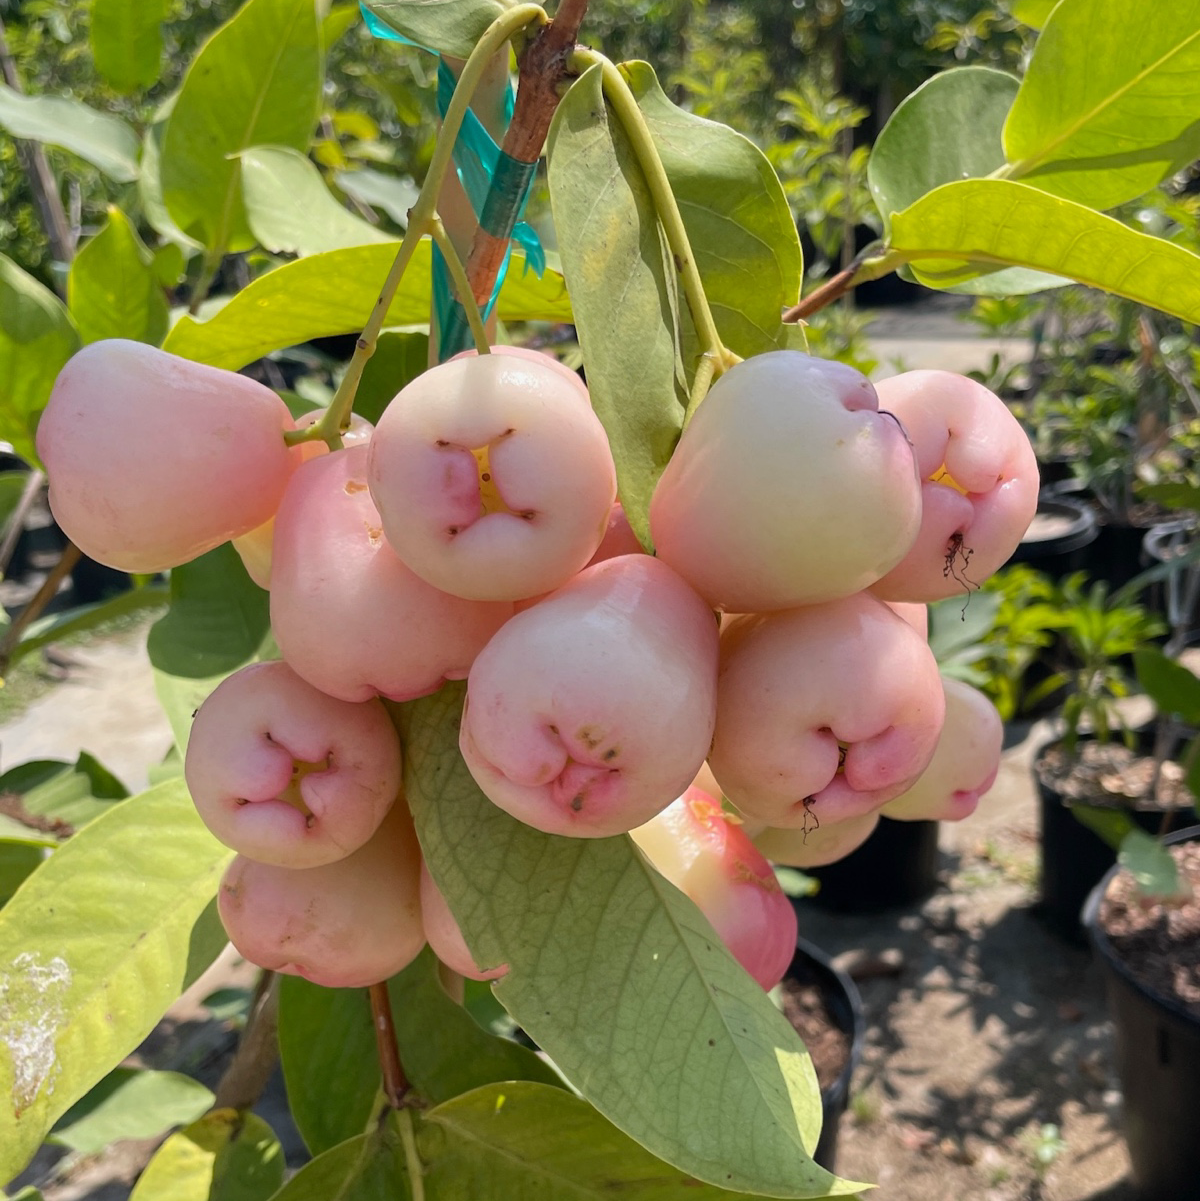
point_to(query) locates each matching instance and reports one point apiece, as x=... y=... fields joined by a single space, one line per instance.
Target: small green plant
x=1043 y=1144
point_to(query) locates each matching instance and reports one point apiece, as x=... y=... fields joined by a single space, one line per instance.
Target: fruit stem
x=420 y=219
x=717 y=358
x=395 y=1084
x=462 y=285
x=871 y=264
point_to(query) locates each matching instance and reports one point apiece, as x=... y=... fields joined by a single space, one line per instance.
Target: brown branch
x=16 y=522
x=37 y=169
x=257 y=1050
x=832 y=289
x=44 y=595
x=542 y=69
x=395 y=1084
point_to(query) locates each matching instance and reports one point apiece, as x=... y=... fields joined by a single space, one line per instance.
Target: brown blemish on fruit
x=355 y=486
x=577 y=802
x=588 y=739
x=611 y=754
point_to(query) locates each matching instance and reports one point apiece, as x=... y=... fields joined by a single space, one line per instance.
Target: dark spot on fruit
x=577 y=802
x=610 y=754
x=486 y=477
x=241 y=801
x=442 y=442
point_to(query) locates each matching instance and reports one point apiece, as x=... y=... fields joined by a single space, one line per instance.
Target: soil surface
x=804 y=1006
x=1160 y=944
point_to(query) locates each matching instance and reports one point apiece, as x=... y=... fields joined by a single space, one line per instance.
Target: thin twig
x=257 y=1050
x=16 y=522
x=44 y=595
x=542 y=69
x=395 y=1084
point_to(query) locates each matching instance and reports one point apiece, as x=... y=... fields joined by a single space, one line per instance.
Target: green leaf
x=333 y=293
x=127 y=42
x=542 y=1144
x=1170 y=685
x=1153 y=867
x=225 y=1156
x=15 y=832
x=105 y=142
x=400 y=356
x=151 y=195
x=95 y=946
x=255 y=82
x=445 y=26
x=1110 y=103
x=622 y=284
x=368 y=1167
x=737 y=217
x=291 y=211
x=218 y=621
x=1172 y=496
x=1191 y=757
x=395 y=194
x=36 y=339
x=619 y=979
x=948 y=129
x=12 y=487
x=75 y=793
x=327 y=1046
x=1034 y=13
x=1112 y=825
x=130 y=1104
x=112 y=290
x=340 y=20
x=17 y=861
x=1001 y=222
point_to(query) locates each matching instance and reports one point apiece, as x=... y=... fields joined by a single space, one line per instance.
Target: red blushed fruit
x=709 y=858
x=347 y=924
x=445 y=936
x=153 y=459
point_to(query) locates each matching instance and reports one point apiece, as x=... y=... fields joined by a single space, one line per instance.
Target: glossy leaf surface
x=104 y=141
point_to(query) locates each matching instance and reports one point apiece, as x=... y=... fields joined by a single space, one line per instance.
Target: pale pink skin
x=542 y=359
x=788 y=488
x=348 y=615
x=710 y=859
x=543 y=508
x=347 y=924
x=795 y=685
x=964 y=765
x=957 y=424
x=815 y=848
x=265 y=746
x=916 y=615
x=445 y=936
x=255 y=547
x=589 y=713
x=153 y=460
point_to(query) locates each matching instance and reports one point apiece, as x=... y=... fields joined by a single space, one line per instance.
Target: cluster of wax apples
x=801 y=524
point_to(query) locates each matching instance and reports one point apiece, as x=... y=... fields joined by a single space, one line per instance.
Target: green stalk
x=421 y=218
x=717 y=358
x=416 y=1169
x=462 y=285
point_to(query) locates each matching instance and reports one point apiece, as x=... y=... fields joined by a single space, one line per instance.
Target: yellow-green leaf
x=982 y=221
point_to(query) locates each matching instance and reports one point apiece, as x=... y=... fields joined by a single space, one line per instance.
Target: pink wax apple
x=284 y=774
x=256 y=546
x=823 y=713
x=818 y=845
x=492 y=480
x=589 y=713
x=348 y=615
x=445 y=936
x=916 y=615
x=964 y=765
x=347 y=924
x=710 y=859
x=153 y=459
x=789 y=487
x=980 y=484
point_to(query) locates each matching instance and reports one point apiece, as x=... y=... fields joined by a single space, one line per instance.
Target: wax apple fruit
x=980 y=484
x=818 y=845
x=492 y=480
x=789 y=487
x=823 y=713
x=963 y=766
x=348 y=615
x=343 y=925
x=445 y=936
x=708 y=857
x=284 y=774
x=153 y=459
x=592 y=711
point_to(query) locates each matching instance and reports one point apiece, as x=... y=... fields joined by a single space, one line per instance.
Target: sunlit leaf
x=1110 y=103
x=105 y=142
x=127 y=43
x=446 y=26
x=94 y=947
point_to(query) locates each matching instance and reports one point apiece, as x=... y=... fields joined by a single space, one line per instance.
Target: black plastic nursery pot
x=811 y=965
x=1058 y=538
x=1158 y=1061
x=895 y=867
x=1074 y=857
